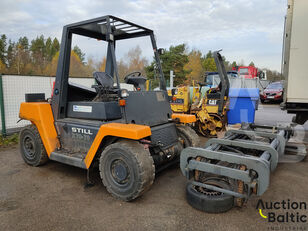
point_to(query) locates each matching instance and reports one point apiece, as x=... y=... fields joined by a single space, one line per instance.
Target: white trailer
x=295 y=60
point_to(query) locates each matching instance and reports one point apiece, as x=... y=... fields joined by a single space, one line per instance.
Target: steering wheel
x=133 y=74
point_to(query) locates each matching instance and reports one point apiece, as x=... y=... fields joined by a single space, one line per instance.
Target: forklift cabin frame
x=109 y=29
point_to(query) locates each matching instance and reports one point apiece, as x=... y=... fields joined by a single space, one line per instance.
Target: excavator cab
x=129 y=135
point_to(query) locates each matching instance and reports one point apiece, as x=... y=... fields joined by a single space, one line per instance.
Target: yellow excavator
x=211 y=109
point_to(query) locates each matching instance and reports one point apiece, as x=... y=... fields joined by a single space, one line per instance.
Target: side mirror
x=161 y=51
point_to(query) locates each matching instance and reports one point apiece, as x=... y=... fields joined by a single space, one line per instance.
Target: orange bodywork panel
x=129 y=131
x=40 y=114
x=184 y=118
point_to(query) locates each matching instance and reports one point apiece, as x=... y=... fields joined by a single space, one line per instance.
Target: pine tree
x=38 y=52
x=3 y=50
x=48 y=46
x=10 y=54
x=79 y=53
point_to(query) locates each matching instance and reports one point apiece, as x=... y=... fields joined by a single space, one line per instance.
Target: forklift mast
x=107 y=28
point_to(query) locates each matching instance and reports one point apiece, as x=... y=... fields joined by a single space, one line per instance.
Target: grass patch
x=8 y=140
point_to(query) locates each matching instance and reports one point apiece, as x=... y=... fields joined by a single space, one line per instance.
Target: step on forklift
x=128 y=135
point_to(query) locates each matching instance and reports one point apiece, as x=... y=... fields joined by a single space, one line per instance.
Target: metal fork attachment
x=244 y=158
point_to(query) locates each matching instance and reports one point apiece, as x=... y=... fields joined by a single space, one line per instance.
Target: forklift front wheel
x=127 y=169
x=188 y=136
x=31 y=146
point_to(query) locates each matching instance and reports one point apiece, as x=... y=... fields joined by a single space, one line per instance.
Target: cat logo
x=212 y=101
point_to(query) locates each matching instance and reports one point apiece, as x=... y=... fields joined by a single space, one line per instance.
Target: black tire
x=188 y=136
x=209 y=203
x=126 y=169
x=262 y=101
x=31 y=146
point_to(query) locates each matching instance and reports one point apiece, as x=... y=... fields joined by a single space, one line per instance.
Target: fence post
x=2 y=108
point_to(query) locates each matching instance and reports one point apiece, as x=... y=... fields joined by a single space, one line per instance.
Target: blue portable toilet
x=243 y=104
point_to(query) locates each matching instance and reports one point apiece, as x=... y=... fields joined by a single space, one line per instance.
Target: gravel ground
x=55 y=197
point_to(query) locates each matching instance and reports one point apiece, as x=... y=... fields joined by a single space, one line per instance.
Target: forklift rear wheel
x=207 y=200
x=31 y=146
x=127 y=169
x=188 y=136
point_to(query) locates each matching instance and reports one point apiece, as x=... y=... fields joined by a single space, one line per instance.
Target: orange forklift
x=129 y=135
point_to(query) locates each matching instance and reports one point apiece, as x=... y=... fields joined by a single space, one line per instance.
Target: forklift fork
x=258 y=148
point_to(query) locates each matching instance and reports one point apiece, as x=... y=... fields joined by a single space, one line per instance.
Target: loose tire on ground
x=209 y=203
x=188 y=136
x=126 y=169
x=31 y=146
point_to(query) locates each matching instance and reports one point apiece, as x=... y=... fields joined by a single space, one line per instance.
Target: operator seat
x=105 y=87
x=137 y=81
x=103 y=79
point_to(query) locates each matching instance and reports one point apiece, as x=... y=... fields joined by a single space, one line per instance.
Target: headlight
x=124 y=93
x=279 y=93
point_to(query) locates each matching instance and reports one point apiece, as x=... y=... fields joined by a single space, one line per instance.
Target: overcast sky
x=248 y=30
